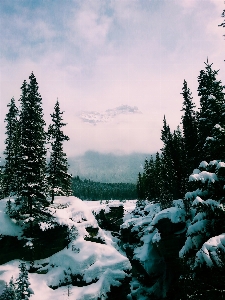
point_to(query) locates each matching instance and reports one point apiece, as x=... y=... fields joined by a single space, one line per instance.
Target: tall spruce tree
x=172 y=183
x=10 y=179
x=32 y=150
x=58 y=178
x=178 y=157
x=212 y=109
x=190 y=130
x=167 y=167
x=23 y=290
x=157 y=177
x=140 y=187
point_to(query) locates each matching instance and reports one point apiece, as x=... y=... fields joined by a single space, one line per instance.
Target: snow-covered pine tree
x=32 y=170
x=203 y=254
x=212 y=110
x=9 y=292
x=23 y=290
x=10 y=179
x=58 y=177
x=190 y=132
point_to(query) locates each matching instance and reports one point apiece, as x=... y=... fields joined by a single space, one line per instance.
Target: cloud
x=94 y=117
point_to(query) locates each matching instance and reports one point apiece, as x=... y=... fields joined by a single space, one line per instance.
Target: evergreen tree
x=157 y=177
x=32 y=150
x=23 y=290
x=203 y=268
x=190 y=132
x=10 y=179
x=167 y=167
x=59 y=179
x=212 y=109
x=178 y=156
x=9 y=292
x=140 y=187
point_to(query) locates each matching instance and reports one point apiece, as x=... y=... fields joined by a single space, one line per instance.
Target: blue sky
x=100 y=55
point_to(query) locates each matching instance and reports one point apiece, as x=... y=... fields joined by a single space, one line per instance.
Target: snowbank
x=92 y=267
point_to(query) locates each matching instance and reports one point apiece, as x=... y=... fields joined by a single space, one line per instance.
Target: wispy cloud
x=94 y=117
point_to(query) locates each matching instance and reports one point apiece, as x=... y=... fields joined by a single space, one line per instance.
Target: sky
x=116 y=66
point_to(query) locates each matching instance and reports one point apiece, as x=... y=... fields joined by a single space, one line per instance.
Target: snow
x=175 y=214
x=198 y=227
x=99 y=265
x=221 y=164
x=195 y=194
x=209 y=252
x=204 y=176
x=178 y=203
x=203 y=164
x=196 y=171
x=7 y=225
x=197 y=201
x=96 y=206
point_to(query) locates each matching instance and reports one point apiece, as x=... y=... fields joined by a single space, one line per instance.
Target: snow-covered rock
x=84 y=269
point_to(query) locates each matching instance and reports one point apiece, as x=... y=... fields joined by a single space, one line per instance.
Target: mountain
x=109 y=168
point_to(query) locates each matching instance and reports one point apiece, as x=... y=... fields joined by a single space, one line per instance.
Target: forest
x=87 y=189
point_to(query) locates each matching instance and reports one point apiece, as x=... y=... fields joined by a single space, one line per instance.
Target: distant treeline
x=87 y=189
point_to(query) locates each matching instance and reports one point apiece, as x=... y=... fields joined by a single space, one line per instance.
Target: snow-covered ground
x=98 y=265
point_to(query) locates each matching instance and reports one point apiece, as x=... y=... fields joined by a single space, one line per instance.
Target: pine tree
x=10 y=178
x=23 y=290
x=167 y=167
x=140 y=187
x=178 y=156
x=157 y=177
x=190 y=132
x=9 y=292
x=59 y=180
x=212 y=109
x=32 y=150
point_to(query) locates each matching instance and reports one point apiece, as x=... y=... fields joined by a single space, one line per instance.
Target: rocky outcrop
x=172 y=238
